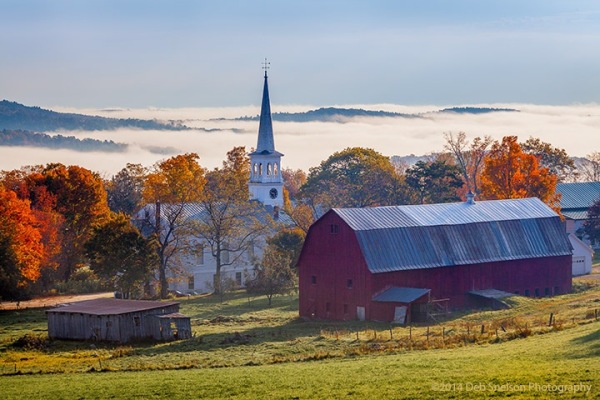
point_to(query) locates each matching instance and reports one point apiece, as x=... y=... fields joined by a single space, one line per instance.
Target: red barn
x=388 y=263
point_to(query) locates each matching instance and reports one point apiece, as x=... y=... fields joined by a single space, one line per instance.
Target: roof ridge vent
x=470 y=197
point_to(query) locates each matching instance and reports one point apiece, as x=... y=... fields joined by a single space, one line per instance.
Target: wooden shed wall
x=111 y=327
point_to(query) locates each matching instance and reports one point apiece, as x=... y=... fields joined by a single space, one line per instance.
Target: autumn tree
x=510 y=173
x=119 y=254
x=171 y=186
x=293 y=179
x=125 y=189
x=556 y=160
x=434 y=181
x=589 y=167
x=354 y=177
x=229 y=224
x=468 y=157
x=21 y=248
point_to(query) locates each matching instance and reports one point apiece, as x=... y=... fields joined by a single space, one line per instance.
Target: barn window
x=547 y=291
x=313 y=279
x=334 y=229
x=349 y=284
x=191 y=285
x=137 y=321
x=556 y=290
x=238 y=278
x=527 y=292
x=537 y=292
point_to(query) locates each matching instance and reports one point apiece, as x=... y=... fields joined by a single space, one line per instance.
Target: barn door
x=360 y=313
x=400 y=315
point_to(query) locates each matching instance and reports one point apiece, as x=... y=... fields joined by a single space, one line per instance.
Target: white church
x=193 y=271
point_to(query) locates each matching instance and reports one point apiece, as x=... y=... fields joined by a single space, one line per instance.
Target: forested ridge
x=18 y=116
x=19 y=137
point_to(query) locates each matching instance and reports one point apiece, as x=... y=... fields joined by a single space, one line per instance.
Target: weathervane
x=266 y=66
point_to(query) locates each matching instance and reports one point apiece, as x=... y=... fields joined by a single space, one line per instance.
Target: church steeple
x=265 y=128
x=266 y=184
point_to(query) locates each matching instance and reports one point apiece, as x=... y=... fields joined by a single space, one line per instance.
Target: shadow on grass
x=590 y=344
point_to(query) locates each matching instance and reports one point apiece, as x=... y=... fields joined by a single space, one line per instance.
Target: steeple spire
x=265 y=128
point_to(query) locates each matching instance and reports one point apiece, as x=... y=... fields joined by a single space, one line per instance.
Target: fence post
x=551 y=318
x=410 y=332
x=391 y=332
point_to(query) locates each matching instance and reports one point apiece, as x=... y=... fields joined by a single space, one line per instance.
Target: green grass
x=564 y=358
x=243 y=349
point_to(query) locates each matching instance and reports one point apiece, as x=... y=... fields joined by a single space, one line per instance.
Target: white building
x=192 y=267
x=582 y=256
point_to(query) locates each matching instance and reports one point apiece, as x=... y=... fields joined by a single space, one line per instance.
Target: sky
x=195 y=60
x=148 y=53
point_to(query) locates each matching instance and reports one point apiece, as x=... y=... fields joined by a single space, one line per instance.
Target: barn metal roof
x=401 y=294
x=108 y=306
x=578 y=194
x=439 y=235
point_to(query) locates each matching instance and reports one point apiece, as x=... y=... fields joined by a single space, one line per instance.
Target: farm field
x=244 y=349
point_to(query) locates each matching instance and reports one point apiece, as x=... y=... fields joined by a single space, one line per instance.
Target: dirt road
x=52 y=301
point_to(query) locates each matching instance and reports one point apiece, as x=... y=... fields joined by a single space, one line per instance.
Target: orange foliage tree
x=21 y=248
x=171 y=185
x=509 y=173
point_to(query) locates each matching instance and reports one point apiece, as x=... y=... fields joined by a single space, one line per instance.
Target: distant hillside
x=334 y=114
x=476 y=110
x=17 y=116
x=21 y=138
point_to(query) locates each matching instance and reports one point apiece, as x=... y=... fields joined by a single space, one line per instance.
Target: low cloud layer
x=574 y=128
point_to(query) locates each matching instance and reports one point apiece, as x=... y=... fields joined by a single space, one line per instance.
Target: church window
x=275 y=168
x=191 y=285
x=254 y=169
x=269 y=169
x=260 y=169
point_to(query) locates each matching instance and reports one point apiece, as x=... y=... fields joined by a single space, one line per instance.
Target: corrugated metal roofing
x=109 y=306
x=401 y=295
x=578 y=194
x=440 y=235
x=444 y=214
x=577 y=215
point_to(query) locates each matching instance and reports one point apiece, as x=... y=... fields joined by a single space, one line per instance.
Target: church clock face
x=273 y=193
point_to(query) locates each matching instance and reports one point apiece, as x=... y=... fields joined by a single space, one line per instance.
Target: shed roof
x=439 y=235
x=109 y=306
x=578 y=195
x=401 y=294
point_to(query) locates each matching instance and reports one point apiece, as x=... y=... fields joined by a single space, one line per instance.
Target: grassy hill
x=244 y=349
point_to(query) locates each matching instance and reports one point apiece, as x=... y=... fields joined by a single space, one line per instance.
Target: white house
x=582 y=256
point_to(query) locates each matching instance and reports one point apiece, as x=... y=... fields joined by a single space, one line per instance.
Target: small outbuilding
x=117 y=320
x=582 y=256
x=395 y=263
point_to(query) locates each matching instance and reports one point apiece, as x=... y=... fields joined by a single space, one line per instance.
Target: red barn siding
x=333 y=258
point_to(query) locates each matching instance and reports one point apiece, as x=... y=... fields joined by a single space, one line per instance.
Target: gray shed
x=118 y=320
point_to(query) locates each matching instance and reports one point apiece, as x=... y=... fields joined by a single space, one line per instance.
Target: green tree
x=171 y=186
x=354 y=177
x=434 y=181
x=556 y=160
x=119 y=254
x=229 y=224
x=125 y=189
x=273 y=275
x=591 y=227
